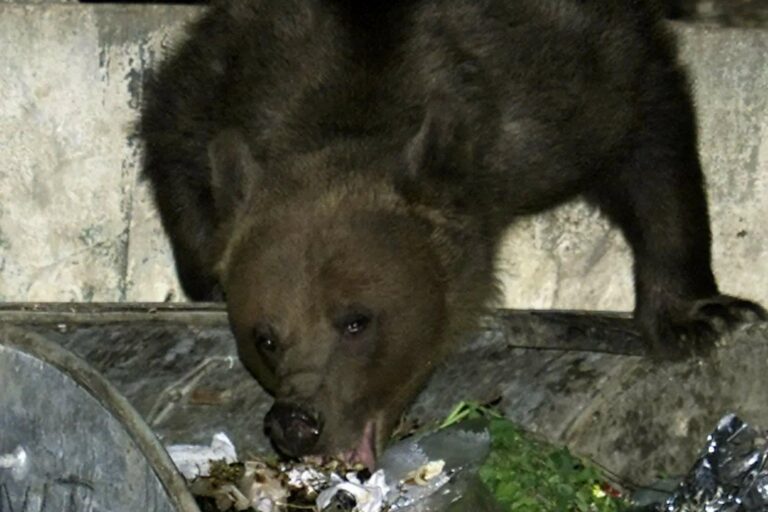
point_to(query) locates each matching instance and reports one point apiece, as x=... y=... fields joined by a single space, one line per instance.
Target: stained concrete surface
x=732 y=13
x=76 y=224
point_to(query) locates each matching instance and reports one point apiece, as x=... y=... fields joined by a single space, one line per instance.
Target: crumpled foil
x=731 y=475
x=368 y=496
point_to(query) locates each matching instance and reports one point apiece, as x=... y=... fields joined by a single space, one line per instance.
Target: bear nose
x=294 y=431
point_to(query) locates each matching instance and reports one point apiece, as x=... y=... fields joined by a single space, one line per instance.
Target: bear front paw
x=693 y=329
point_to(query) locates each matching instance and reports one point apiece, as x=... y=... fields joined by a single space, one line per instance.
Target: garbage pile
x=435 y=471
x=439 y=471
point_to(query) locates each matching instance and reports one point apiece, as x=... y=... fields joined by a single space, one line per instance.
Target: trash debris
x=263 y=487
x=252 y=485
x=368 y=496
x=731 y=475
x=309 y=478
x=410 y=474
x=195 y=460
x=422 y=475
x=457 y=451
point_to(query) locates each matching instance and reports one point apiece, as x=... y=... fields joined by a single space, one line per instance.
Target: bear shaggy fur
x=343 y=172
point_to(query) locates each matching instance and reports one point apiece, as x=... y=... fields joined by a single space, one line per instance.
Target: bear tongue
x=365 y=452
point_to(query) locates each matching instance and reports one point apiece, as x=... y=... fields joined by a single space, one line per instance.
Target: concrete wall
x=77 y=225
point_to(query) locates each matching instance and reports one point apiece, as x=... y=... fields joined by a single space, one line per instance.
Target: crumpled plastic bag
x=431 y=472
x=731 y=475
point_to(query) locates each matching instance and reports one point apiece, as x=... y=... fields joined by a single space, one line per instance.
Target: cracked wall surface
x=76 y=224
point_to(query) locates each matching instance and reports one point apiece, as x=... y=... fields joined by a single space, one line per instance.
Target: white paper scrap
x=195 y=460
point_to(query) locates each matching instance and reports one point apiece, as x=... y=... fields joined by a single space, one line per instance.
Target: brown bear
x=344 y=170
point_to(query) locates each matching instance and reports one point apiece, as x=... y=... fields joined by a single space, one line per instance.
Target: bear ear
x=426 y=150
x=234 y=172
x=437 y=150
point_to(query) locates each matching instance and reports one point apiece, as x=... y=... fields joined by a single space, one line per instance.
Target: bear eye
x=355 y=324
x=265 y=340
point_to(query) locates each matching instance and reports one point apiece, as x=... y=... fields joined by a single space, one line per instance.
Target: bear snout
x=293 y=430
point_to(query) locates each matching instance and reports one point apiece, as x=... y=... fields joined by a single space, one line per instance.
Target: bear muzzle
x=293 y=430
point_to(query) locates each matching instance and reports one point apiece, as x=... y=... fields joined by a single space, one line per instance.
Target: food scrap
x=425 y=473
x=221 y=483
x=195 y=460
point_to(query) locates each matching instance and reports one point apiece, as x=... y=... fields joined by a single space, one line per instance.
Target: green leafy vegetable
x=526 y=474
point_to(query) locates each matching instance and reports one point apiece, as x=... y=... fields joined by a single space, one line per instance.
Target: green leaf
x=526 y=474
